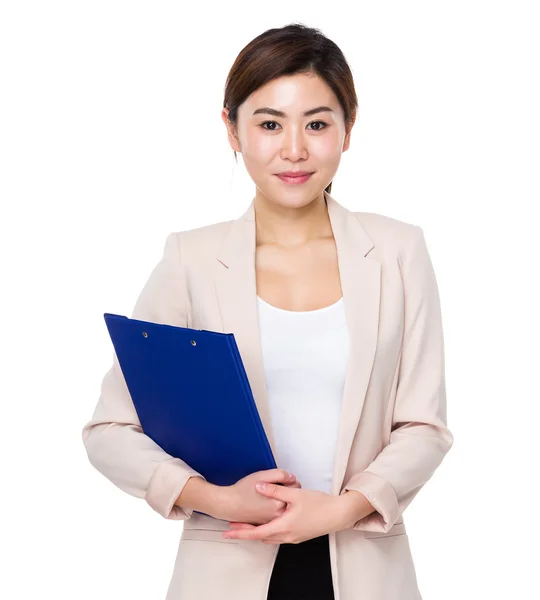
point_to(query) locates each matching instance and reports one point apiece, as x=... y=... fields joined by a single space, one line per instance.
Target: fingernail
x=260 y=486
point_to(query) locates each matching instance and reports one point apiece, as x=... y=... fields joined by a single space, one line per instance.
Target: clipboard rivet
x=193 y=343
x=145 y=334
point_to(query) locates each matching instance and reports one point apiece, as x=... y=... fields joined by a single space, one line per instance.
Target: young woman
x=337 y=318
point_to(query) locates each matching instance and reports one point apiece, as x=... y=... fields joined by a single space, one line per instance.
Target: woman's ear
x=231 y=130
x=349 y=126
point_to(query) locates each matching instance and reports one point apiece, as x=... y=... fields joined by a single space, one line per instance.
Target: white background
x=111 y=137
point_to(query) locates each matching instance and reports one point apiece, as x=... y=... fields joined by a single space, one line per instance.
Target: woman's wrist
x=200 y=495
x=353 y=506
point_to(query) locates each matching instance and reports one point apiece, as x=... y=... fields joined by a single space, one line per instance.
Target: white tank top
x=305 y=358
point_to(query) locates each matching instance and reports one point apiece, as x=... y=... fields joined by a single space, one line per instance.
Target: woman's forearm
x=353 y=506
x=200 y=495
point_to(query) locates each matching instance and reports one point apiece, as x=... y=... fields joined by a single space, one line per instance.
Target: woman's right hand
x=241 y=502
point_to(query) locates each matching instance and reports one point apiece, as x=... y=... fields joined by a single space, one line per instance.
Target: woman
x=337 y=318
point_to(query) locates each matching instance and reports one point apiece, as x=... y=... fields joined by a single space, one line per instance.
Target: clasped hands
x=284 y=513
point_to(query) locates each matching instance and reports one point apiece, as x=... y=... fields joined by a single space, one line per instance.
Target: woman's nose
x=294 y=145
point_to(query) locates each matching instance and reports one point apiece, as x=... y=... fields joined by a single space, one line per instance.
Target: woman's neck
x=289 y=227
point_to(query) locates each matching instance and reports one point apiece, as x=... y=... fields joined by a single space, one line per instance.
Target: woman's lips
x=294 y=180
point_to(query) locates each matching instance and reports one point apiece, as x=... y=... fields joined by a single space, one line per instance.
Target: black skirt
x=302 y=571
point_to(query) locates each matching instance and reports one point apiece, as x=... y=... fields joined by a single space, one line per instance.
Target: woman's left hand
x=309 y=514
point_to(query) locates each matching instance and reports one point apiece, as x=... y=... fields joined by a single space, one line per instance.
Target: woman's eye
x=275 y=123
x=268 y=123
x=321 y=123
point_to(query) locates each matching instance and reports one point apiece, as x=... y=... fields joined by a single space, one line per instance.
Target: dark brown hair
x=294 y=48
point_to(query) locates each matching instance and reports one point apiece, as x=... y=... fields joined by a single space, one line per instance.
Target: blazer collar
x=235 y=281
x=339 y=216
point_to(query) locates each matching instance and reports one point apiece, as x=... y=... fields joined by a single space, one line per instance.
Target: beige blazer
x=393 y=432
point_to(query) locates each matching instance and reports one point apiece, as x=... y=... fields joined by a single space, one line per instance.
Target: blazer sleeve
x=419 y=437
x=113 y=438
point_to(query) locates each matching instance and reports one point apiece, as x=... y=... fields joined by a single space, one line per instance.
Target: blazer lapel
x=235 y=280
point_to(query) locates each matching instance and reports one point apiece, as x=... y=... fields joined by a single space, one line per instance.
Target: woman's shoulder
x=203 y=242
x=389 y=230
x=206 y=232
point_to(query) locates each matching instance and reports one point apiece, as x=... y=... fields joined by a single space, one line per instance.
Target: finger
x=237 y=525
x=277 y=475
x=295 y=484
x=259 y=532
x=287 y=494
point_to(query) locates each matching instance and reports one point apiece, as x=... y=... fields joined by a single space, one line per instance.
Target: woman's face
x=272 y=143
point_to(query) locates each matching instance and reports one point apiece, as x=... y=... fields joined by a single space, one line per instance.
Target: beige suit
x=393 y=432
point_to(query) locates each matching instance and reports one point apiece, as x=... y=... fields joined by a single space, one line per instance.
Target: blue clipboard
x=192 y=396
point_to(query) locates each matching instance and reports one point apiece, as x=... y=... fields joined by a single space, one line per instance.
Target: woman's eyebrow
x=279 y=113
